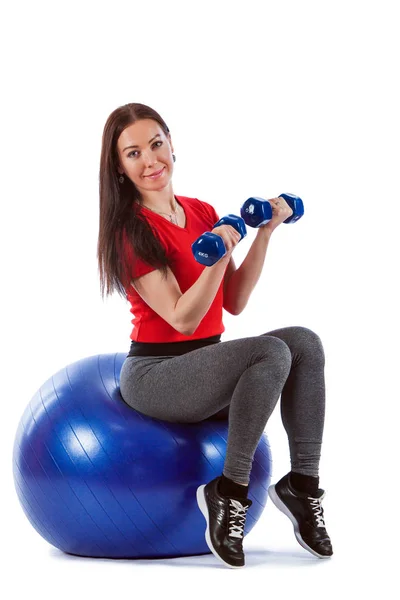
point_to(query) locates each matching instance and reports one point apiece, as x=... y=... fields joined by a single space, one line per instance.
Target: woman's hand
x=280 y=212
x=231 y=237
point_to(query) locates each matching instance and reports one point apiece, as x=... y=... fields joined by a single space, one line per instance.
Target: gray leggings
x=241 y=380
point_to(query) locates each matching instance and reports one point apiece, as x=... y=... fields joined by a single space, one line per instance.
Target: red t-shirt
x=148 y=326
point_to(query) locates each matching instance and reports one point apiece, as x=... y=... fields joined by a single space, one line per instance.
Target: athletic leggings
x=241 y=380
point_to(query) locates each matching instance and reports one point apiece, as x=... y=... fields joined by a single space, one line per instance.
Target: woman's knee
x=310 y=343
x=273 y=350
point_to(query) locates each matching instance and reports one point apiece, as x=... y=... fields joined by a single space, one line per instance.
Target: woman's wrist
x=265 y=231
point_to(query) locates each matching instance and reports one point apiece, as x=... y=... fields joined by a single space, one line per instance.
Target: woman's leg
x=303 y=398
x=247 y=373
x=297 y=494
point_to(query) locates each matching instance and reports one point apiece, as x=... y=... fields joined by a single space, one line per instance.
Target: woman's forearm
x=243 y=281
x=194 y=304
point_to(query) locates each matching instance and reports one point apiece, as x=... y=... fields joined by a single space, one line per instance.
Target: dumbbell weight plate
x=208 y=248
x=256 y=211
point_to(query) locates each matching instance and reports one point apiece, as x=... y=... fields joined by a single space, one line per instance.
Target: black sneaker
x=225 y=518
x=306 y=514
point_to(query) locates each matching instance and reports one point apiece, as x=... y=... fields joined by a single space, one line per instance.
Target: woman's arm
x=194 y=304
x=243 y=281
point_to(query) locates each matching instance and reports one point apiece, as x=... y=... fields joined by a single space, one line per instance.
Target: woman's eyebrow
x=134 y=146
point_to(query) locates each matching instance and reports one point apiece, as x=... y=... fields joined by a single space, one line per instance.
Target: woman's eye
x=133 y=151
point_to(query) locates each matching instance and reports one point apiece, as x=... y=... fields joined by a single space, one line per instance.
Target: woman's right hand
x=231 y=237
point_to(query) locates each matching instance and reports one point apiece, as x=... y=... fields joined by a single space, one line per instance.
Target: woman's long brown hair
x=123 y=231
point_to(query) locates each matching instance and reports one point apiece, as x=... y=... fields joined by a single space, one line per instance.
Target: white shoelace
x=236 y=512
x=317 y=508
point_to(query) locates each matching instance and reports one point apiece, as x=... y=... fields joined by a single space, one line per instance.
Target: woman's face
x=152 y=152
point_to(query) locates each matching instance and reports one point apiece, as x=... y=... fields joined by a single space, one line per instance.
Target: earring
x=174 y=157
x=121 y=179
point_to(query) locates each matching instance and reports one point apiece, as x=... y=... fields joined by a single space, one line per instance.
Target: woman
x=144 y=252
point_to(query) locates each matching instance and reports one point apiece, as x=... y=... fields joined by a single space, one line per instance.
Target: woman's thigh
x=195 y=386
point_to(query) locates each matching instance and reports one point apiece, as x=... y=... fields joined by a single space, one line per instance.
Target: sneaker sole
x=283 y=508
x=202 y=504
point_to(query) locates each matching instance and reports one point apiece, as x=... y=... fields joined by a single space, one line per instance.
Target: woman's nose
x=149 y=158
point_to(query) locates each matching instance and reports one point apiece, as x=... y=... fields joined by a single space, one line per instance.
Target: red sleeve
x=134 y=266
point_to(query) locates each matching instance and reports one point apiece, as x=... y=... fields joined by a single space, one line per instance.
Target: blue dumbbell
x=210 y=247
x=257 y=211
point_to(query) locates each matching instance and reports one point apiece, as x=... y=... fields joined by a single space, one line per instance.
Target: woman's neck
x=166 y=207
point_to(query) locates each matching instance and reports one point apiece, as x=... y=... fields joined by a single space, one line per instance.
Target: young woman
x=178 y=369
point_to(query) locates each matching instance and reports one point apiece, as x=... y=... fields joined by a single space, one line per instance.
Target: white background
x=261 y=98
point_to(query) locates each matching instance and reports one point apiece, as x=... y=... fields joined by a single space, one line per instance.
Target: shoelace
x=237 y=518
x=315 y=504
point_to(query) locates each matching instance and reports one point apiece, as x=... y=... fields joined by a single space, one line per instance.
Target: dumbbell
x=257 y=211
x=209 y=248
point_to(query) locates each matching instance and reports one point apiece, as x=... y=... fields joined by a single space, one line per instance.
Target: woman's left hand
x=280 y=212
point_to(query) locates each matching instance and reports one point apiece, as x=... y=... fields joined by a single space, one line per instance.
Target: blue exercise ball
x=97 y=478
